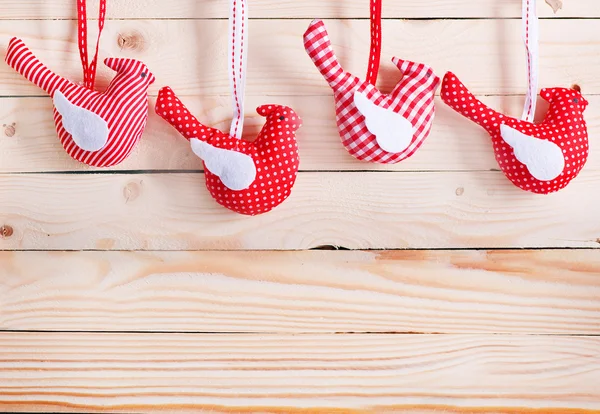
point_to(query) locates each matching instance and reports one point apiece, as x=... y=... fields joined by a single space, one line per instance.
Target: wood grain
x=488 y=55
x=540 y=292
x=28 y=142
x=355 y=210
x=177 y=9
x=315 y=373
x=291 y=331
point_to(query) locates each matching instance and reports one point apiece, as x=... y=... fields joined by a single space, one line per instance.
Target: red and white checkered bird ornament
x=541 y=158
x=98 y=129
x=376 y=127
x=248 y=178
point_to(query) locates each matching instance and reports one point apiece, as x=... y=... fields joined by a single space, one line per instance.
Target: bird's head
x=131 y=69
x=570 y=98
x=278 y=115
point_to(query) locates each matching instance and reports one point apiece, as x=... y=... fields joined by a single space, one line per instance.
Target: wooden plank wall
x=429 y=286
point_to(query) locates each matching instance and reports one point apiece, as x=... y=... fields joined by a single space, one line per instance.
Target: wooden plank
x=534 y=292
x=298 y=374
x=355 y=210
x=31 y=145
x=489 y=55
x=148 y=9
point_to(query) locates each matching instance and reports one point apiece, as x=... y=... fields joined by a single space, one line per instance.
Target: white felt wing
x=392 y=131
x=544 y=159
x=89 y=130
x=236 y=170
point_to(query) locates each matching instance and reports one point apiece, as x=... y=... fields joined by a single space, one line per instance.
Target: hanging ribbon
x=531 y=38
x=238 y=55
x=375 y=53
x=89 y=70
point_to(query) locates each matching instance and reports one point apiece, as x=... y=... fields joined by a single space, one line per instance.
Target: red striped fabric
x=124 y=105
x=413 y=98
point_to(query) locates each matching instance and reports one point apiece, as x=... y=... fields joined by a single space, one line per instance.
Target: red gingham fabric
x=413 y=98
x=274 y=152
x=564 y=125
x=124 y=105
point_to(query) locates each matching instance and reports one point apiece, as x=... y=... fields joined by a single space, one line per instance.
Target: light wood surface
x=180 y=306
x=353 y=210
x=31 y=144
x=275 y=373
x=487 y=54
x=203 y=9
x=541 y=292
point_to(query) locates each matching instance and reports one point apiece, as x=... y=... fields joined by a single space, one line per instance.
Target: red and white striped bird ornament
x=376 y=127
x=248 y=178
x=98 y=129
x=538 y=157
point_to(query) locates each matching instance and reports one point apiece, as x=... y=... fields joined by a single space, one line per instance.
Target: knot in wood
x=460 y=191
x=132 y=191
x=6 y=231
x=10 y=130
x=132 y=41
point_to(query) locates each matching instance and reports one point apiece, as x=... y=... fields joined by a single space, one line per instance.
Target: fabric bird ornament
x=248 y=178
x=373 y=126
x=541 y=158
x=98 y=129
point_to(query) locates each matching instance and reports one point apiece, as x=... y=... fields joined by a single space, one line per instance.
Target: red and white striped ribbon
x=531 y=38
x=375 y=53
x=89 y=69
x=238 y=57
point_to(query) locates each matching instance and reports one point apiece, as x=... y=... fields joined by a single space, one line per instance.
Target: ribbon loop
x=237 y=62
x=89 y=70
x=531 y=38
x=375 y=53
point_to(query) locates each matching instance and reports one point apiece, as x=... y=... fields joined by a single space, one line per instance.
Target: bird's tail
x=456 y=95
x=172 y=110
x=20 y=58
x=318 y=47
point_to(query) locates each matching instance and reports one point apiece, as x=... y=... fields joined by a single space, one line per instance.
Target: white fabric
x=544 y=159
x=531 y=37
x=238 y=50
x=236 y=170
x=392 y=131
x=89 y=130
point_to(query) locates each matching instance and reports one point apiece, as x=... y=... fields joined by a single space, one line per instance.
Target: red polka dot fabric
x=274 y=152
x=563 y=125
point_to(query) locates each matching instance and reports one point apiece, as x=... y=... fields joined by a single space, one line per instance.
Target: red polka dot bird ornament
x=249 y=178
x=540 y=158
